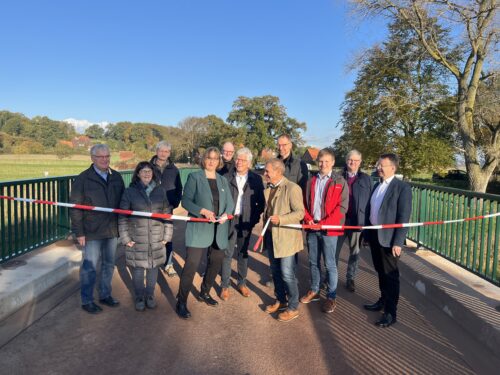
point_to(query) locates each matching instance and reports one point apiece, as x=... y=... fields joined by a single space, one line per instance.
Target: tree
x=262 y=119
x=94 y=131
x=399 y=104
x=477 y=39
x=195 y=130
x=218 y=132
x=63 y=151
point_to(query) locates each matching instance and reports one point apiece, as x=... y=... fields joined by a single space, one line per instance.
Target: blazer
x=197 y=195
x=361 y=192
x=395 y=208
x=289 y=205
x=253 y=201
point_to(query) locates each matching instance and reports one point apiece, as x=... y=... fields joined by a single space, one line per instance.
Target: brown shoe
x=329 y=305
x=224 y=295
x=288 y=315
x=277 y=305
x=245 y=292
x=310 y=297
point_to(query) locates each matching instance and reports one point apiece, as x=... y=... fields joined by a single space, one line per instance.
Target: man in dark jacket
x=97 y=232
x=295 y=168
x=168 y=175
x=247 y=190
x=227 y=158
x=390 y=203
x=360 y=188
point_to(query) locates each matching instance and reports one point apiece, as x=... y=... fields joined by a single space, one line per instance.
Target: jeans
x=95 y=250
x=169 y=247
x=241 y=239
x=285 y=282
x=321 y=244
x=138 y=280
x=352 y=264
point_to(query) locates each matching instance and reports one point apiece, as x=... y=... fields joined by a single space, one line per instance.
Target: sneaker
x=329 y=305
x=92 y=308
x=150 y=302
x=310 y=297
x=288 y=315
x=277 y=305
x=139 y=304
x=170 y=271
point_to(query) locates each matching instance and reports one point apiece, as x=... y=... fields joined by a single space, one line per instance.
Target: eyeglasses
x=227 y=152
x=353 y=160
x=101 y=156
x=212 y=159
x=384 y=166
x=146 y=171
x=242 y=160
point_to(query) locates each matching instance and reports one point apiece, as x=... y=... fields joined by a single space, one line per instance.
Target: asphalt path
x=238 y=337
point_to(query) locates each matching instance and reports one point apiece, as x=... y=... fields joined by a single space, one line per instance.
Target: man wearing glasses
x=227 y=159
x=390 y=203
x=247 y=190
x=295 y=168
x=97 y=232
x=360 y=188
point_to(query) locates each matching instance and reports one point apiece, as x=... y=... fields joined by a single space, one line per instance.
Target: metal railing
x=475 y=245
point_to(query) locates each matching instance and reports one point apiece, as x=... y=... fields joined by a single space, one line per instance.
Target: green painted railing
x=26 y=226
x=475 y=245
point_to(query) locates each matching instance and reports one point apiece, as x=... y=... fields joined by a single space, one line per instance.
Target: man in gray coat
x=390 y=203
x=97 y=232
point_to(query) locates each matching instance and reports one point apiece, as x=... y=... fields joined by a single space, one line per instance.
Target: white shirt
x=319 y=190
x=240 y=182
x=376 y=200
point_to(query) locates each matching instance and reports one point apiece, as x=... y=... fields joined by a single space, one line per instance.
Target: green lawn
x=16 y=167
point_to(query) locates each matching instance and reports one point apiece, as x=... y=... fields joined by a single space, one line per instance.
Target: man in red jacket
x=326 y=200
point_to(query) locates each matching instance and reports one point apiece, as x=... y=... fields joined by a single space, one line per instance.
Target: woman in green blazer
x=206 y=194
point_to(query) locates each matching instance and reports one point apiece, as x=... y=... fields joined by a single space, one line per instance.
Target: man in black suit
x=390 y=203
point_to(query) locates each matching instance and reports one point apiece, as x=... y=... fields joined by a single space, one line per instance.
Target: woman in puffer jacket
x=144 y=238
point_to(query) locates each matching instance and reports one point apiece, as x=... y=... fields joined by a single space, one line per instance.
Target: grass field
x=18 y=167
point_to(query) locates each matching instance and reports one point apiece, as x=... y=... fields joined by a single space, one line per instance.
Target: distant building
x=267 y=154
x=310 y=155
x=82 y=141
x=126 y=155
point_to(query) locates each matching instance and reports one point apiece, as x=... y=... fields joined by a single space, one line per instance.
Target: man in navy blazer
x=390 y=203
x=360 y=189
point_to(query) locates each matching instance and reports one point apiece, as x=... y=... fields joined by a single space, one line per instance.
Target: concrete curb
x=29 y=276
x=466 y=298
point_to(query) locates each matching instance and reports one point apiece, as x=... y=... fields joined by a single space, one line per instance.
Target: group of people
x=232 y=199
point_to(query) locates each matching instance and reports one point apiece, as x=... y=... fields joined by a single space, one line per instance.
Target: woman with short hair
x=206 y=195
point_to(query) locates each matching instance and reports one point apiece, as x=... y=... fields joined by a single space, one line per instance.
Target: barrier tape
x=112 y=210
x=259 y=240
x=382 y=226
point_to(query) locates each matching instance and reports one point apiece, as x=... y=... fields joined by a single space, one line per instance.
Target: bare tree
x=194 y=129
x=476 y=25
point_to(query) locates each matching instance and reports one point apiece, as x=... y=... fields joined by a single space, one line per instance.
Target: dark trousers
x=193 y=259
x=386 y=266
x=240 y=237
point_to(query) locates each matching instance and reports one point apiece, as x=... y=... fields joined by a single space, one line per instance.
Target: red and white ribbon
x=111 y=210
x=259 y=240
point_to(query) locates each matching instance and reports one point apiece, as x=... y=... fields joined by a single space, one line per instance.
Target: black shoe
x=350 y=286
x=92 y=308
x=182 y=310
x=109 y=301
x=386 y=321
x=205 y=297
x=377 y=306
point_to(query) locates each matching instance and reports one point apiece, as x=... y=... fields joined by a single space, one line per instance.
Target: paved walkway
x=238 y=337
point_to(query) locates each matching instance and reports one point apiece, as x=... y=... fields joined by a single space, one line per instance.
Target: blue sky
x=161 y=61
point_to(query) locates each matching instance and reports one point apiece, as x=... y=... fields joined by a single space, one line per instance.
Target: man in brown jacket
x=284 y=205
